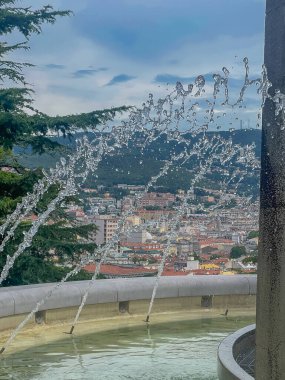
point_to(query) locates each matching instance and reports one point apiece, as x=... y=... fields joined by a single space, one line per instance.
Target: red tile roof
x=205 y=256
x=116 y=270
x=172 y=272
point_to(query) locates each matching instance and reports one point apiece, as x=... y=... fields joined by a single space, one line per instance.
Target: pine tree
x=22 y=124
x=16 y=125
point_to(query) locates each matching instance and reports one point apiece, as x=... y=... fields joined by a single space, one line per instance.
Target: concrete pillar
x=270 y=332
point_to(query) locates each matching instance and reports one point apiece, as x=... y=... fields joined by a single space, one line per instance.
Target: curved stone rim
x=22 y=299
x=228 y=368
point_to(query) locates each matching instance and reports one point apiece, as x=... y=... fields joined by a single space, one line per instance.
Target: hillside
x=131 y=166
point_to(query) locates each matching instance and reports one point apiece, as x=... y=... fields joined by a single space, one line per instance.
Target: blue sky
x=115 y=52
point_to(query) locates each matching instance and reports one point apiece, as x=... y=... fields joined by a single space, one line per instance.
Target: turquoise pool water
x=169 y=351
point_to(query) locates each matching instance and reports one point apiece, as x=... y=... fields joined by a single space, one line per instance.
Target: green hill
x=134 y=166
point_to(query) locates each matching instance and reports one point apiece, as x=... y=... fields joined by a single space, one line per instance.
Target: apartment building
x=156 y=199
x=107 y=227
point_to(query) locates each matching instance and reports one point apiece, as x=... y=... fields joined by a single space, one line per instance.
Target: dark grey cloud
x=87 y=72
x=53 y=66
x=120 y=79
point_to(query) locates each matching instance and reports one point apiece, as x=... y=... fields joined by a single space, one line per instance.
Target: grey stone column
x=270 y=332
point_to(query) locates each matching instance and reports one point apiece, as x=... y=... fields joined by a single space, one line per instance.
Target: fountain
x=185 y=117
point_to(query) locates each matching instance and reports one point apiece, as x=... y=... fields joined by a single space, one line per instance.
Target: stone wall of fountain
x=120 y=297
x=236 y=355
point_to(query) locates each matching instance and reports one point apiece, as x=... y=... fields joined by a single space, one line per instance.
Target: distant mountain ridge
x=130 y=166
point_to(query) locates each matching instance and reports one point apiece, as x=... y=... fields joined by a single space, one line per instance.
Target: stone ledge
x=22 y=299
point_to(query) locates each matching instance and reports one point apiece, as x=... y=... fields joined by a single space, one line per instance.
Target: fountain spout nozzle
x=147 y=319
x=71 y=330
x=2 y=350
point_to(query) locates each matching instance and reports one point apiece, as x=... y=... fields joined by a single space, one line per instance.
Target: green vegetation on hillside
x=134 y=167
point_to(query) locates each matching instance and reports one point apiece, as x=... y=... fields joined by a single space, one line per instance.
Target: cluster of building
x=201 y=245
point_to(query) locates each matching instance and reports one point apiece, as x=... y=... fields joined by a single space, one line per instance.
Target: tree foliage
x=57 y=247
x=14 y=101
x=250 y=260
x=29 y=269
x=61 y=242
x=17 y=126
x=253 y=234
x=27 y=22
x=237 y=252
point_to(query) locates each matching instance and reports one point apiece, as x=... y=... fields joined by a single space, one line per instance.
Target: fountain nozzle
x=2 y=350
x=71 y=330
x=147 y=319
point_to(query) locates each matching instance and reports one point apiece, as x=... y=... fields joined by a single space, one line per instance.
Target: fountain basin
x=118 y=304
x=236 y=355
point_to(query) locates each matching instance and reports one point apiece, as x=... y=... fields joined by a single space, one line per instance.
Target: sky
x=115 y=52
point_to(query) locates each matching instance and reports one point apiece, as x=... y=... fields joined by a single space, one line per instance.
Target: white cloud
x=59 y=92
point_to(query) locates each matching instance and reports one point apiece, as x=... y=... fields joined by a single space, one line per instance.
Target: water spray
x=175 y=118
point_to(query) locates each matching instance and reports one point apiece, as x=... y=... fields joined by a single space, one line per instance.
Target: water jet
x=161 y=119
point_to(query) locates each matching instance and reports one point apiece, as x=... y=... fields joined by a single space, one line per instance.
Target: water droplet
x=200 y=81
